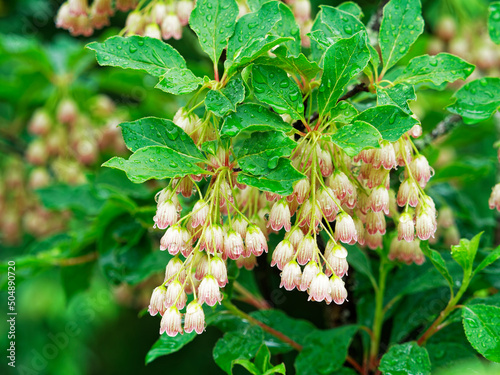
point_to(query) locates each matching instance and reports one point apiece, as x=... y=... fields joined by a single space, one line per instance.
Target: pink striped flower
x=171 y=322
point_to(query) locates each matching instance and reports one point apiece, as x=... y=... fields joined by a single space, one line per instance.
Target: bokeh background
x=86 y=256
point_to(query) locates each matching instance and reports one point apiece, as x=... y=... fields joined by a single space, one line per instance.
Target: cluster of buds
x=67 y=140
x=302 y=11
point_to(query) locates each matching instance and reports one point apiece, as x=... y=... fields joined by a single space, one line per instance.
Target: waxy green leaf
x=334 y=23
x=401 y=25
x=299 y=65
x=352 y=8
x=156 y=162
x=397 y=95
x=179 y=81
x=250 y=118
x=138 y=52
x=477 y=100
x=279 y=180
x=343 y=112
x=273 y=86
x=438 y=262
x=343 y=61
x=257 y=153
x=223 y=101
x=494 y=22
x=314 y=360
x=465 y=252
x=287 y=27
x=356 y=137
x=213 y=21
x=153 y=131
x=166 y=345
x=408 y=358
x=490 y=258
x=482 y=328
x=389 y=120
x=435 y=69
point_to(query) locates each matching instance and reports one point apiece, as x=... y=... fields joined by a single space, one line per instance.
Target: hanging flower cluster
x=346 y=198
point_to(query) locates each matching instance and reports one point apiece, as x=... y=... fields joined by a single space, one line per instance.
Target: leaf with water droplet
x=345 y=58
x=144 y=53
x=482 y=104
x=179 y=81
x=482 y=328
x=435 y=69
x=407 y=358
x=268 y=84
x=395 y=38
x=299 y=65
x=494 y=22
x=391 y=121
x=223 y=101
x=397 y=95
x=219 y=17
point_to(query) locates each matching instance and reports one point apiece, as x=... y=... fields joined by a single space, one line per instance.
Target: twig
x=249 y=298
x=360 y=87
x=376 y=19
x=354 y=364
x=442 y=128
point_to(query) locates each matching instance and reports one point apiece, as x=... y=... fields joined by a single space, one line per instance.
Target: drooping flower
x=171 y=322
x=208 y=291
x=195 y=318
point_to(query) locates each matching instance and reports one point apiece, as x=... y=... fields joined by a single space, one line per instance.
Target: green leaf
x=250 y=118
x=465 y=252
x=397 y=95
x=446 y=355
x=279 y=180
x=315 y=360
x=179 y=81
x=401 y=25
x=236 y=345
x=299 y=65
x=287 y=27
x=153 y=131
x=389 y=120
x=259 y=152
x=343 y=61
x=408 y=358
x=351 y=8
x=255 y=5
x=213 y=21
x=438 y=262
x=166 y=345
x=477 y=100
x=436 y=69
x=356 y=137
x=494 y=22
x=157 y=162
x=360 y=262
x=482 y=328
x=296 y=329
x=63 y=197
x=138 y=52
x=491 y=258
x=250 y=32
x=343 y=112
x=249 y=366
x=334 y=23
x=223 y=101
x=273 y=86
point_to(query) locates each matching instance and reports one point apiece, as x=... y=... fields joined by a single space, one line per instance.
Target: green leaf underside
x=494 y=22
x=250 y=32
x=279 y=180
x=259 y=152
x=436 y=69
x=356 y=137
x=408 y=358
x=482 y=328
x=343 y=61
x=299 y=65
x=252 y=117
x=166 y=345
x=401 y=25
x=477 y=100
x=223 y=101
x=389 y=120
x=333 y=23
x=315 y=360
x=438 y=262
x=137 y=52
x=273 y=86
x=153 y=131
x=213 y=21
x=465 y=252
x=179 y=81
x=398 y=95
x=343 y=112
x=156 y=162
x=237 y=345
